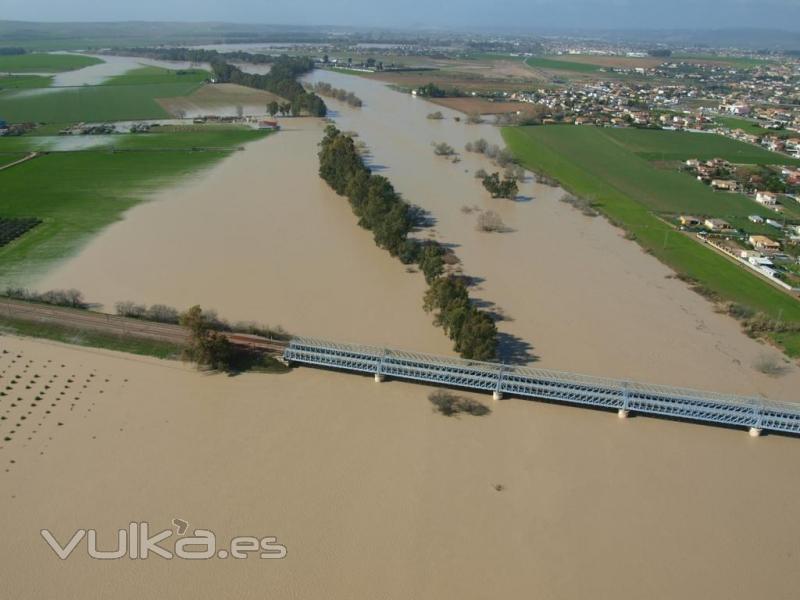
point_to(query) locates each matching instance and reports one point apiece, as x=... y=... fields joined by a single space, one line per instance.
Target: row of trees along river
x=281 y=81
x=380 y=209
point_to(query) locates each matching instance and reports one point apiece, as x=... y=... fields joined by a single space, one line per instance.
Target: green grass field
x=626 y=188
x=157 y=75
x=736 y=61
x=6 y=159
x=653 y=144
x=560 y=65
x=622 y=158
x=24 y=82
x=92 y=103
x=743 y=124
x=77 y=194
x=45 y=63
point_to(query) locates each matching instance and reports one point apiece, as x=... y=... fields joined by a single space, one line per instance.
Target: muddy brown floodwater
x=374 y=494
x=261 y=237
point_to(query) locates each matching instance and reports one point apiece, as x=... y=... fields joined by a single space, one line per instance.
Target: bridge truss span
x=756 y=414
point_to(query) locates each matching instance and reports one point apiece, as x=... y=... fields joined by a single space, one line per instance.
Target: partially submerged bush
x=769 y=364
x=582 y=204
x=159 y=313
x=443 y=149
x=436 y=116
x=450 y=405
x=515 y=172
x=545 y=179
x=72 y=298
x=480 y=145
x=500 y=188
x=490 y=221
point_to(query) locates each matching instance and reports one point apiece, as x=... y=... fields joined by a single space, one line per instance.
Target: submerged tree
x=207 y=347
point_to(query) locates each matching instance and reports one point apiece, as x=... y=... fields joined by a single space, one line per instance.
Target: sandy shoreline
x=374 y=495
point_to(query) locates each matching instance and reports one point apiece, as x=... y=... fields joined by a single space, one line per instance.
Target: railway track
x=123 y=326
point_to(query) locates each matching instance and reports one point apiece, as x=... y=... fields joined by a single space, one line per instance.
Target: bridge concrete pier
x=755 y=431
x=497 y=395
x=623 y=413
x=379 y=377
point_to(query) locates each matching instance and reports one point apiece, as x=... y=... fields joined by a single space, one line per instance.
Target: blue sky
x=584 y=14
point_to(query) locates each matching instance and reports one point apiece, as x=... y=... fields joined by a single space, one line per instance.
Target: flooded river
x=574 y=292
x=261 y=237
x=373 y=493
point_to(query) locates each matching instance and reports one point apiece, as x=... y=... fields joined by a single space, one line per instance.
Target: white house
x=767 y=198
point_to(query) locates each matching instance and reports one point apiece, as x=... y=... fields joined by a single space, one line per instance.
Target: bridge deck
x=658 y=400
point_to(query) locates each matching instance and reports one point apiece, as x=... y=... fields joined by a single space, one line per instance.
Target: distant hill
x=130 y=33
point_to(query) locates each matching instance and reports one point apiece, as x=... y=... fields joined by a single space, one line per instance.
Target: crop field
x=628 y=190
x=23 y=82
x=8 y=157
x=622 y=62
x=77 y=194
x=621 y=157
x=713 y=59
x=92 y=103
x=743 y=124
x=11 y=229
x=212 y=98
x=653 y=144
x=154 y=75
x=45 y=63
x=541 y=62
x=468 y=105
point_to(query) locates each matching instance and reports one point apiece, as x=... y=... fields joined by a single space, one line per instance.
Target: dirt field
x=480 y=105
x=221 y=98
x=466 y=75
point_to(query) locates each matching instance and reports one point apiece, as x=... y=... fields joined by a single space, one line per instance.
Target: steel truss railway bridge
x=755 y=414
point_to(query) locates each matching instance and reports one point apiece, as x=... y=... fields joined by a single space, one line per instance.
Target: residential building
x=767 y=198
x=724 y=184
x=717 y=224
x=689 y=221
x=762 y=242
